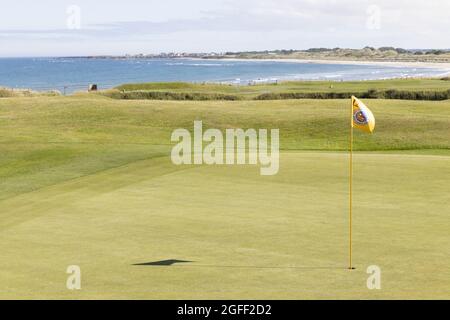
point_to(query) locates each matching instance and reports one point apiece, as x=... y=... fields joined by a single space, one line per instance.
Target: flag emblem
x=359 y=117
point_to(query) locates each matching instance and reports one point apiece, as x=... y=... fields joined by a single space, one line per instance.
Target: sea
x=76 y=74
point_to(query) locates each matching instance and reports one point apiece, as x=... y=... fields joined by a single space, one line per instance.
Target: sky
x=105 y=27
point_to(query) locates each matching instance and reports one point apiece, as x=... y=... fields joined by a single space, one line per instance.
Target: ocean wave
x=199 y=64
x=332 y=76
x=58 y=60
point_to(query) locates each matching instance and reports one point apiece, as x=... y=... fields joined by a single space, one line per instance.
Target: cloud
x=328 y=22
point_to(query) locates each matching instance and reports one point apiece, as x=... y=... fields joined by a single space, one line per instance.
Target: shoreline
x=443 y=66
x=437 y=65
x=418 y=64
x=440 y=70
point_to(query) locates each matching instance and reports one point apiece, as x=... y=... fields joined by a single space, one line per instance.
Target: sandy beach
x=444 y=66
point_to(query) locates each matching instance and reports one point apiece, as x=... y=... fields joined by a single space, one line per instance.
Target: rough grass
x=293 y=86
x=8 y=93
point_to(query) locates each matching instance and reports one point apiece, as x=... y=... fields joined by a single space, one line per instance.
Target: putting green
x=248 y=236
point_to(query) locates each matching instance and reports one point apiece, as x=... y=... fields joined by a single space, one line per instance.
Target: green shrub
x=370 y=94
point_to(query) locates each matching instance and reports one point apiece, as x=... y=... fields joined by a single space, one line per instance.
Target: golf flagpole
x=350 y=186
x=361 y=118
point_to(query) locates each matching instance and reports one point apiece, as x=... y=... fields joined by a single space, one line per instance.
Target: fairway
x=88 y=181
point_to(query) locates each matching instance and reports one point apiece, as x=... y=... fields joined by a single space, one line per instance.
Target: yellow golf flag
x=363 y=118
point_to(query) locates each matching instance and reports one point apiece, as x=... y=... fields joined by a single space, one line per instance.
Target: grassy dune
x=412 y=89
x=294 y=86
x=341 y=54
x=87 y=180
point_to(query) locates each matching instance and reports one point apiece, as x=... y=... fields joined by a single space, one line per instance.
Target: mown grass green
x=87 y=180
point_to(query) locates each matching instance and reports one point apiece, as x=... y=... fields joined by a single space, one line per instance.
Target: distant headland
x=366 y=54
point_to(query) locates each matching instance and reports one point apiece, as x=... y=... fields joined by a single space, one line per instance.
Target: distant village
x=366 y=53
x=163 y=55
